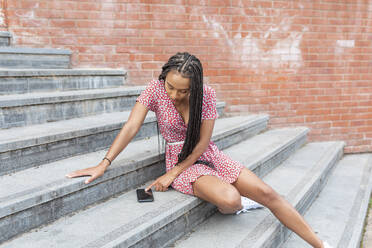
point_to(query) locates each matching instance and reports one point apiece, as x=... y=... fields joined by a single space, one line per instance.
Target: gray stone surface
x=5 y=38
x=49 y=80
x=297 y=179
x=39 y=199
x=36 y=108
x=5 y=34
x=22 y=57
x=31 y=50
x=4 y=41
x=338 y=213
x=367 y=238
x=137 y=224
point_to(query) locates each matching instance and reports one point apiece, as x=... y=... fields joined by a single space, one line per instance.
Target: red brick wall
x=304 y=62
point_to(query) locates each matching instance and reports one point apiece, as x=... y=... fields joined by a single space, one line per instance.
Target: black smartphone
x=144 y=196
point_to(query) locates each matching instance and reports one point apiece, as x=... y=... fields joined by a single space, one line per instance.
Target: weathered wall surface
x=3 y=23
x=305 y=62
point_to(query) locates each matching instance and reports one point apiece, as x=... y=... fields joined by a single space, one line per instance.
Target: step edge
x=30 y=99
x=30 y=50
x=61 y=72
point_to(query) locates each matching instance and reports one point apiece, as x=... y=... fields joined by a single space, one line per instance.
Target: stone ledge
x=30 y=50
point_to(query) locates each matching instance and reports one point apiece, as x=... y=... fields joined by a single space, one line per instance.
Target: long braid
x=189 y=66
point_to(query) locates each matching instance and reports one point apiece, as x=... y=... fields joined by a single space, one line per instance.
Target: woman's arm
x=162 y=183
x=126 y=134
x=128 y=131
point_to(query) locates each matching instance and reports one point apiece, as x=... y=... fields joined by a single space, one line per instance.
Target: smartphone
x=144 y=196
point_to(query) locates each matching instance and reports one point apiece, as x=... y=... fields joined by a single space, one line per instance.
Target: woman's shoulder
x=155 y=83
x=208 y=91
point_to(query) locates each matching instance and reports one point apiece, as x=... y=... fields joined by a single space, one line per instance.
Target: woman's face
x=177 y=87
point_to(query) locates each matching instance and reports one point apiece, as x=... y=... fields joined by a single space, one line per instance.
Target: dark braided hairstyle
x=189 y=67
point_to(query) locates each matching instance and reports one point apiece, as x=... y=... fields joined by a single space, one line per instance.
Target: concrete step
x=37 y=108
x=298 y=179
x=338 y=213
x=30 y=146
x=19 y=81
x=24 y=57
x=36 y=196
x=5 y=38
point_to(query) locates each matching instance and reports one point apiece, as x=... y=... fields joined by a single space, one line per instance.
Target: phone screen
x=143 y=196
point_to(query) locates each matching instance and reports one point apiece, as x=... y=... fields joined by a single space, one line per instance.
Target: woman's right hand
x=94 y=172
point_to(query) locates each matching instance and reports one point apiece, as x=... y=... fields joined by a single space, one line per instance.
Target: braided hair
x=189 y=67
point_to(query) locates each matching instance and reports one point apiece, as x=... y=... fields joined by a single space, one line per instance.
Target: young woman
x=186 y=112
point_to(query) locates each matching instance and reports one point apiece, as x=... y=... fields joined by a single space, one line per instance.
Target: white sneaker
x=326 y=245
x=248 y=205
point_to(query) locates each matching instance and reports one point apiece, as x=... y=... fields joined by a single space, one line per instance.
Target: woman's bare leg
x=225 y=196
x=251 y=186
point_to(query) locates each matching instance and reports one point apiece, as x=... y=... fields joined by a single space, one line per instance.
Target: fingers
x=90 y=179
x=158 y=187
x=83 y=172
x=78 y=173
x=149 y=187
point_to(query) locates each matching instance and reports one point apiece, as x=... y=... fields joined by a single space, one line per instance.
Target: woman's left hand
x=162 y=183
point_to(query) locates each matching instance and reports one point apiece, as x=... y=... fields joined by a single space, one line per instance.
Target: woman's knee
x=230 y=201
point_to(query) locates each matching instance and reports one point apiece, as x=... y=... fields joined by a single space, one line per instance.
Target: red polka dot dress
x=173 y=129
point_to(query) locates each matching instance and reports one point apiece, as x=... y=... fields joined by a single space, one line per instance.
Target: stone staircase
x=54 y=120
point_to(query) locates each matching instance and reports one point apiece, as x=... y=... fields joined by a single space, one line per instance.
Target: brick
x=116 y=57
x=60 y=5
x=154 y=65
x=139 y=41
x=88 y=6
x=64 y=41
x=34 y=23
x=113 y=41
x=172 y=9
x=92 y=57
x=62 y=23
x=31 y=4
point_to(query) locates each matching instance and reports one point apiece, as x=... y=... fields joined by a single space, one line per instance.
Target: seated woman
x=186 y=111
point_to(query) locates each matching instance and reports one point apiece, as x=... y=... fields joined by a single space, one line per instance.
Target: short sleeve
x=149 y=95
x=209 y=109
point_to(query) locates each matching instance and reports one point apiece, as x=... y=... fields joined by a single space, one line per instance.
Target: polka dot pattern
x=173 y=129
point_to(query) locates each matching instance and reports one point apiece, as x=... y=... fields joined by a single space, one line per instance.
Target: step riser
x=264 y=169
x=36 y=61
x=4 y=41
x=237 y=137
x=5 y=38
x=26 y=156
x=121 y=181
x=32 y=156
x=178 y=228
x=42 y=113
x=21 y=85
x=194 y=214
x=278 y=234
